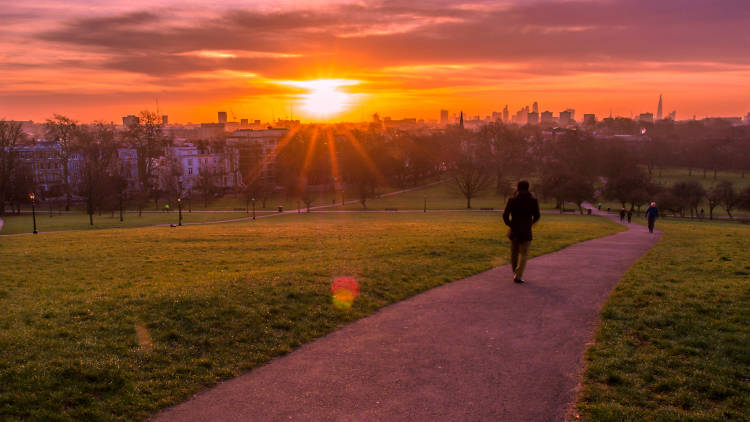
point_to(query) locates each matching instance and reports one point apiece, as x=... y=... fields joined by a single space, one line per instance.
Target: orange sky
x=410 y=59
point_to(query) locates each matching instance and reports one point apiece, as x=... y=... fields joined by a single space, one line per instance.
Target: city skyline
x=273 y=60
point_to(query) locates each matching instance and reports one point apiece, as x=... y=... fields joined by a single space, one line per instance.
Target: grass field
x=115 y=324
x=674 y=342
x=13 y=224
x=670 y=176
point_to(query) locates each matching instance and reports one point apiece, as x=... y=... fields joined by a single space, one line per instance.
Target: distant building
x=43 y=159
x=567 y=117
x=444 y=117
x=244 y=124
x=496 y=116
x=533 y=118
x=222 y=117
x=535 y=107
x=211 y=130
x=522 y=116
x=659 y=109
x=589 y=119
x=506 y=114
x=646 y=117
x=256 y=151
x=547 y=118
x=165 y=120
x=130 y=120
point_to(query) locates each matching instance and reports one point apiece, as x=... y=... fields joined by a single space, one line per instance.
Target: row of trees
x=569 y=166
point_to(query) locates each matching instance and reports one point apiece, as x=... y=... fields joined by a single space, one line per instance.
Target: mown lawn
x=116 y=324
x=443 y=196
x=674 y=342
x=45 y=222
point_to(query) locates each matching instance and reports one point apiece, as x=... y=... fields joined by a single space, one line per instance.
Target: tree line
x=567 y=166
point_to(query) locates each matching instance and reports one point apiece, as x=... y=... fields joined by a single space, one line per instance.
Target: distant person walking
x=521 y=212
x=622 y=215
x=652 y=213
x=630 y=215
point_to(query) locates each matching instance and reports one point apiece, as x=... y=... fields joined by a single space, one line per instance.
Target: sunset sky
x=255 y=59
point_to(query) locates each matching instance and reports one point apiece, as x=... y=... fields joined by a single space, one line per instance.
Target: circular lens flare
x=345 y=290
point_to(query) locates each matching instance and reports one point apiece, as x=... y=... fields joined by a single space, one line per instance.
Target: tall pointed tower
x=659 y=110
x=461 y=122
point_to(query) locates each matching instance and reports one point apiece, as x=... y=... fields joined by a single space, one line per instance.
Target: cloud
x=393 y=45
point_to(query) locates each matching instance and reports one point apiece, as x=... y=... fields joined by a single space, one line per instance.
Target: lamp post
x=253 y=208
x=179 y=207
x=179 y=200
x=33 y=210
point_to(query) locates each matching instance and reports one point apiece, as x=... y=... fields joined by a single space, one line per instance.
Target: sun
x=324 y=97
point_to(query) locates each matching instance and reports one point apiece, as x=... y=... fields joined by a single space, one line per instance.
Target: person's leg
x=514 y=256
x=523 y=255
x=651 y=225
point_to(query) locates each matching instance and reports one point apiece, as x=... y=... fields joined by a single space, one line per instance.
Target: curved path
x=478 y=349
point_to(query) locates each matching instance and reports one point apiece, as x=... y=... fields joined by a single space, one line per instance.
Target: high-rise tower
x=659 y=110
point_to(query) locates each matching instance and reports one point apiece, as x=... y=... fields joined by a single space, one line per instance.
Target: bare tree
x=689 y=194
x=147 y=139
x=713 y=197
x=471 y=176
x=728 y=197
x=98 y=151
x=10 y=135
x=63 y=130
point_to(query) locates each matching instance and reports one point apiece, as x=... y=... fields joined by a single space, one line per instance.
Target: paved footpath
x=478 y=349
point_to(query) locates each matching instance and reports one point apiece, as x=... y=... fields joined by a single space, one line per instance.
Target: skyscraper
x=535 y=107
x=165 y=120
x=222 y=117
x=659 y=110
x=130 y=120
x=547 y=118
x=461 y=122
x=532 y=118
x=506 y=113
x=444 y=117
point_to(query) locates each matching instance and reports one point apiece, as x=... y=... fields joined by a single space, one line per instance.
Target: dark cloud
x=566 y=36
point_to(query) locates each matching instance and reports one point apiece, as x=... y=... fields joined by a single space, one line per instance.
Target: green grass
x=674 y=342
x=443 y=196
x=211 y=302
x=45 y=222
x=672 y=175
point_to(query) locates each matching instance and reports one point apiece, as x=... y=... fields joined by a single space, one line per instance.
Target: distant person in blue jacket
x=652 y=213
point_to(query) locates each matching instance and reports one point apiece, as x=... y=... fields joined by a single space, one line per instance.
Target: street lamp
x=253 y=208
x=33 y=210
x=179 y=200
x=179 y=207
x=425 y=204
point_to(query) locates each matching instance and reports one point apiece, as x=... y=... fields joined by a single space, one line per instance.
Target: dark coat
x=521 y=212
x=652 y=213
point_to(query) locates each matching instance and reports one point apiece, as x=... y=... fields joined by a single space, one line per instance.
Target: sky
x=93 y=60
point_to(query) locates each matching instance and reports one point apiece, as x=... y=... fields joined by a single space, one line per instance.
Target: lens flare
x=345 y=290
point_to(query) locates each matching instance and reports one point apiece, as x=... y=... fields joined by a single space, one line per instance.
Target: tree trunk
x=468 y=202
x=91 y=217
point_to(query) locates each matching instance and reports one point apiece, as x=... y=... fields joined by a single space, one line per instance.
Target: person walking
x=521 y=212
x=630 y=215
x=622 y=215
x=652 y=213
